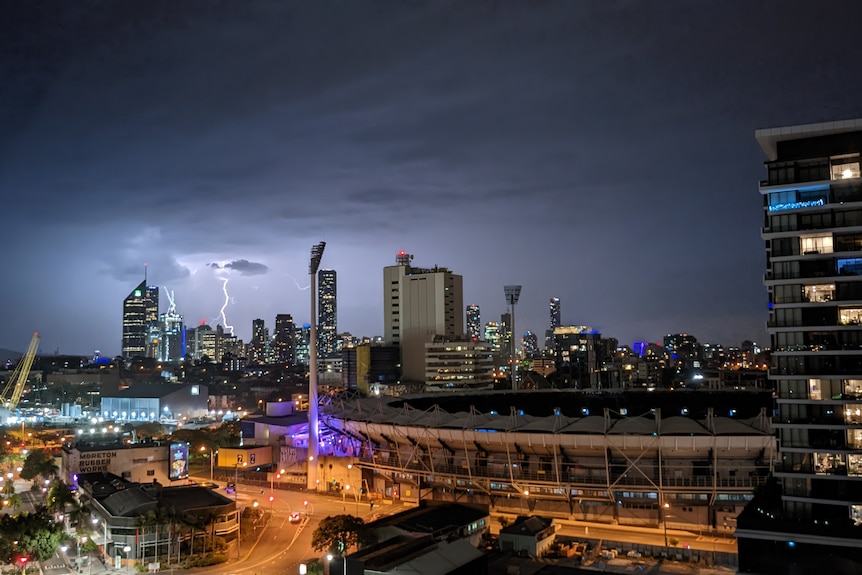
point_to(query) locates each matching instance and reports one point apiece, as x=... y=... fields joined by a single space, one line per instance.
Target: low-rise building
x=530 y=535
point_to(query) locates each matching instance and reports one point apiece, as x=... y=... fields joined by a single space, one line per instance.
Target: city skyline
x=600 y=153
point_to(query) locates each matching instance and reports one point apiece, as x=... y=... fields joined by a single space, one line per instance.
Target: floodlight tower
x=313 y=440
x=512 y=295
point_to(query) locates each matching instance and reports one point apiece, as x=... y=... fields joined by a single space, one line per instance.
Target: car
x=295 y=517
x=231 y=487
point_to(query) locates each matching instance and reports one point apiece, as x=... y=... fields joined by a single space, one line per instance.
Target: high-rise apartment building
x=140 y=317
x=458 y=365
x=474 y=323
x=492 y=335
x=259 y=336
x=284 y=343
x=529 y=344
x=555 y=312
x=554 y=309
x=302 y=344
x=506 y=334
x=327 y=313
x=418 y=304
x=812 y=227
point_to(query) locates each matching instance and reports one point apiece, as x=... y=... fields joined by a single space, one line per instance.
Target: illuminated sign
x=797 y=205
x=178 y=461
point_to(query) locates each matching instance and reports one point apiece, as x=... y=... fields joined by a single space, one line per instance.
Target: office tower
x=171 y=342
x=506 y=333
x=554 y=308
x=418 y=304
x=257 y=346
x=474 y=323
x=555 y=312
x=579 y=356
x=140 y=316
x=492 y=335
x=327 y=313
x=812 y=213
x=530 y=344
x=284 y=339
x=302 y=344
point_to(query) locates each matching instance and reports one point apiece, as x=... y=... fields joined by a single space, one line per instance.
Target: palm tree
x=59 y=497
x=144 y=520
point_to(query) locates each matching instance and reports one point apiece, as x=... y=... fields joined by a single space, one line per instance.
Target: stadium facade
x=629 y=457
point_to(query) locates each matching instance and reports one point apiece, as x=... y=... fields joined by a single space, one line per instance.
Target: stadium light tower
x=313 y=440
x=512 y=295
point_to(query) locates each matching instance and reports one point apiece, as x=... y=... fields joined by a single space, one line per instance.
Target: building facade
x=596 y=456
x=474 y=322
x=285 y=346
x=812 y=214
x=140 y=318
x=327 y=312
x=458 y=365
x=418 y=304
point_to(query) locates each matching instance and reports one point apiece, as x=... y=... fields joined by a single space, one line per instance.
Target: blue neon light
x=797 y=205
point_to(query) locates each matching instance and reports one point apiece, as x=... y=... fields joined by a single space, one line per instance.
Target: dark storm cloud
x=602 y=152
x=246 y=267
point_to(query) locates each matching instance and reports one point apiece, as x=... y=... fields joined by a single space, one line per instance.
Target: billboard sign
x=178 y=461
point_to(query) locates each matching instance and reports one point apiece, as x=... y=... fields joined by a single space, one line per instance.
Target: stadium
x=689 y=458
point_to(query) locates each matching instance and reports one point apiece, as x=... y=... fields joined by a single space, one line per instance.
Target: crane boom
x=15 y=386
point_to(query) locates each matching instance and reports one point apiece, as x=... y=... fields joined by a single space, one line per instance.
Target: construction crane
x=15 y=385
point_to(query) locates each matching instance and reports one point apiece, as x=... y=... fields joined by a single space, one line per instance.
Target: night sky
x=602 y=152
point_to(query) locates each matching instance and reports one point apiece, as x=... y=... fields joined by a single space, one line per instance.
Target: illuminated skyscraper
x=327 y=313
x=140 y=317
x=506 y=333
x=474 y=323
x=171 y=345
x=284 y=339
x=555 y=312
x=418 y=304
x=492 y=335
x=258 y=341
x=529 y=344
x=555 y=323
x=302 y=344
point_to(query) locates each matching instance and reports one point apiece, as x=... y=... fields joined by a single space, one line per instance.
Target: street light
x=512 y=295
x=236 y=478
x=665 y=507
x=212 y=461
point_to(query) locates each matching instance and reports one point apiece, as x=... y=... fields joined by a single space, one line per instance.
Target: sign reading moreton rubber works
x=95 y=461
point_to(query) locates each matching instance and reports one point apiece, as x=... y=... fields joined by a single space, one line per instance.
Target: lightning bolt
x=227 y=300
x=299 y=287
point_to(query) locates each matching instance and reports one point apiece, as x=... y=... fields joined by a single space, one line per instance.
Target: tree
x=31 y=534
x=39 y=462
x=336 y=534
x=150 y=430
x=59 y=497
